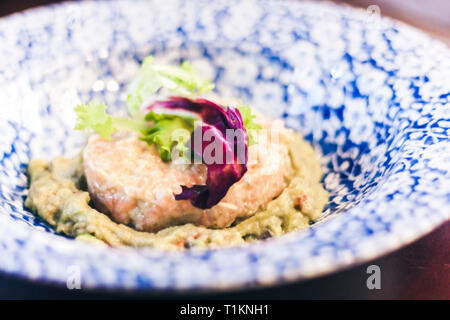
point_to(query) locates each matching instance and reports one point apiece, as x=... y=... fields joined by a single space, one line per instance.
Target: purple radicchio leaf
x=219 y=125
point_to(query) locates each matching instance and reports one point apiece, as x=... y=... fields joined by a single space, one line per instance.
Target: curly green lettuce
x=170 y=133
x=93 y=117
x=181 y=80
x=250 y=125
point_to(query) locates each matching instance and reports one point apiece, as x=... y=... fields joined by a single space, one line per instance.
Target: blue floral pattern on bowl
x=371 y=96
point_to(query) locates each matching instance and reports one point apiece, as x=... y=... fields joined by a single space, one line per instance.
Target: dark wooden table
x=418 y=271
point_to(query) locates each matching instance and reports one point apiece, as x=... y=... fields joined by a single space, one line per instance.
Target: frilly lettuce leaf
x=181 y=80
x=250 y=125
x=93 y=117
x=169 y=133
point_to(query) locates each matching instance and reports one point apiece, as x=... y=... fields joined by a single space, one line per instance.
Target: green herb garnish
x=169 y=133
x=93 y=117
x=250 y=125
x=181 y=80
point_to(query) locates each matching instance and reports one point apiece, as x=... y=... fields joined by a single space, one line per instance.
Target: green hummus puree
x=56 y=195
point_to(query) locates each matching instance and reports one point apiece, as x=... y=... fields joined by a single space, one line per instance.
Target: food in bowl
x=179 y=173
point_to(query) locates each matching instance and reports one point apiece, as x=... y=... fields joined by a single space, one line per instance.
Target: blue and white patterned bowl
x=371 y=94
